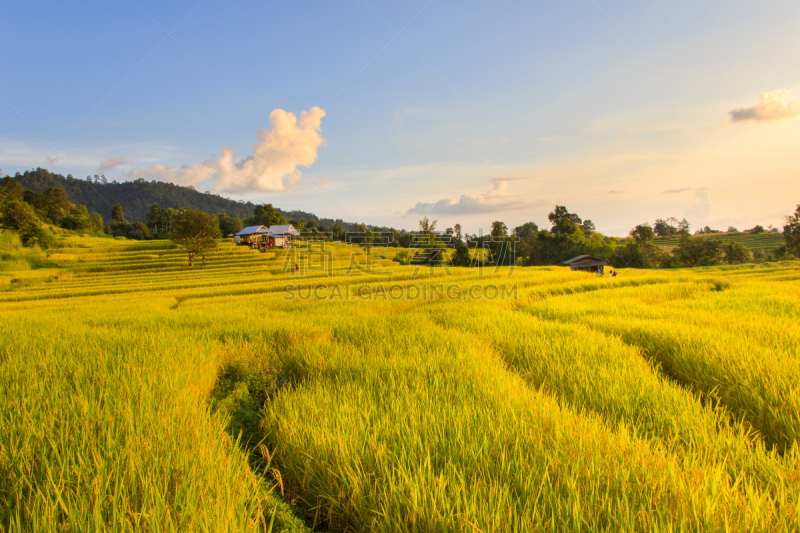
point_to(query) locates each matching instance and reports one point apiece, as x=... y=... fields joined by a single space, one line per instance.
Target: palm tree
x=153 y=216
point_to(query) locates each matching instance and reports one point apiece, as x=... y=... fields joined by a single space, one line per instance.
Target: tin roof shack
x=282 y=235
x=251 y=235
x=276 y=240
x=587 y=263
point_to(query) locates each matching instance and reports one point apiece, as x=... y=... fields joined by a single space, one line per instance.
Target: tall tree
x=10 y=190
x=642 y=233
x=459 y=236
x=196 y=232
x=57 y=204
x=662 y=228
x=791 y=233
x=499 y=229
x=562 y=220
x=228 y=225
x=116 y=213
x=154 y=215
x=527 y=238
x=265 y=215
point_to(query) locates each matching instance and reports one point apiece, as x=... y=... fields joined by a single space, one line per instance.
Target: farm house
x=251 y=235
x=587 y=263
x=262 y=237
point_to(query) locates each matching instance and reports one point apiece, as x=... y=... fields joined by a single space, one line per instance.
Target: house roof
x=284 y=229
x=277 y=235
x=251 y=230
x=588 y=264
x=584 y=259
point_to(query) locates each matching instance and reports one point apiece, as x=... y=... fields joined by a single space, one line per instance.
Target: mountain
x=136 y=197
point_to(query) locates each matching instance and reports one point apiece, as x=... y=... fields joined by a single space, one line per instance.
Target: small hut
x=252 y=235
x=587 y=263
x=282 y=235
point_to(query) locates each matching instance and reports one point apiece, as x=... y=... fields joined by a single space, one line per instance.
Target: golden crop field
x=138 y=394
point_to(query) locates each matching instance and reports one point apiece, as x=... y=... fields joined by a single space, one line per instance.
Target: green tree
x=642 y=233
x=116 y=213
x=57 y=204
x=153 y=216
x=735 y=252
x=791 y=233
x=458 y=234
x=527 y=240
x=10 y=190
x=20 y=217
x=139 y=231
x=266 y=215
x=562 y=220
x=196 y=232
x=663 y=228
x=698 y=251
x=97 y=222
x=228 y=225
x=77 y=219
x=499 y=229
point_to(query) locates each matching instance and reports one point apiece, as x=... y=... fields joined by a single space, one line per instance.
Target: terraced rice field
x=765 y=242
x=137 y=393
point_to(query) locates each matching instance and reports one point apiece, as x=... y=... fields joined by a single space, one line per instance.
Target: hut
x=587 y=263
x=252 y=235
x=281 y=235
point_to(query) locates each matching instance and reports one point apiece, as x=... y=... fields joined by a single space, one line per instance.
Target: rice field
x=764 y=242
x=250 y=394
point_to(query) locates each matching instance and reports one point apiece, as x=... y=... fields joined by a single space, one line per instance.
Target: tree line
x=25 y=210
x=570 y=236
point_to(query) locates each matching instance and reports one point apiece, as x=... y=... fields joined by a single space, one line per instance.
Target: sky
x=383 y=112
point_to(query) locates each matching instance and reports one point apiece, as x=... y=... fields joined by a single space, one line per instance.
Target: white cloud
x=701 y=209
x=771 y=106
x=110 y=163
x=289 y=143
x=495 y=200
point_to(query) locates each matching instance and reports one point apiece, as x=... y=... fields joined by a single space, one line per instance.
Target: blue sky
x=475 y=112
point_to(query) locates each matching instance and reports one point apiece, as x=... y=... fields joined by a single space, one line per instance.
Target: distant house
x=283 y=229
x=281 y=235
x=251 y=235
x=586 y=263
x=265 y=238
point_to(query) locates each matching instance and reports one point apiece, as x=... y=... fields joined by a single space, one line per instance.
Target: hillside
x=136 y=197
x=762 y=241
x=765 y=242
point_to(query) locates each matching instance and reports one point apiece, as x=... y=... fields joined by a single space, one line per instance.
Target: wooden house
x=252 y=235
x=587 y=263
x=281 y=235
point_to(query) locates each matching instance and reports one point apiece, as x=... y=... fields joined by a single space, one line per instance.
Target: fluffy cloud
x=290 y=142
x=771 y=106
x=677 y=191
x=110 y=163
x=701 y=209
x=494 y=200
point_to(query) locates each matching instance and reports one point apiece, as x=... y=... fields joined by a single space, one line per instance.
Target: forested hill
x=135 y=197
